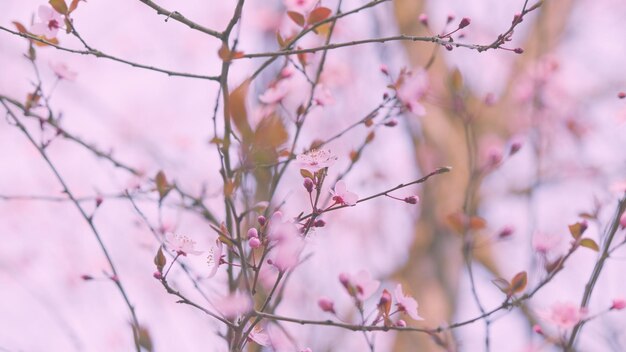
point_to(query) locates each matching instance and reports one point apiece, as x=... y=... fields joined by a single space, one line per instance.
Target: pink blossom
x=215 y=258
x=301 y=6
x=276 y=93
x=181 y=244
x=261 y=338
x=618 y=304
x=342 y=196
x=254 y=242
x=406 y=304
x=62 y=71
x=287 y=242
x=564 y=315
x=543 y=243
x=316 y=159
x=413 y=88
x=362 y=283
x=234 y=305
x=49 y=22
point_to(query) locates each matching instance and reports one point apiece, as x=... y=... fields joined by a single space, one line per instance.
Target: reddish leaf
x=589 y=243
x=159 y=260
x=59 y=6
x=518 y=283
x=161 y=184
x=477 y=223
x=318 y=15
x=270 y=132
x=576 y=230
x=73 y=6
x=238 y=112
x=20 y=27
x=502 y=285
x=296 y=17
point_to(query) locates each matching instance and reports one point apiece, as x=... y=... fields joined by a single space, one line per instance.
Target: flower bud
x=518 y=50
x=621 y=95
x=384 y=69
x=157 y=275
x=464 y=22
x=86 y=277
x=391 y=123
x=401 y=323
x=99 y=200
x=515 y=147
x=449 y=19
x=261 y=220
x=253 y=233
x=423 y=18
x=326 y=305
x=319 y=223
x=412 y=199
x=308 y=184
x=254 y=242
x=537 y=329
x=622 y=221
x=345 y=280
x=506 y=232
x=618 y=304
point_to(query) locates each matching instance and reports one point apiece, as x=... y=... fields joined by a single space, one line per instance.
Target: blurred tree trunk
x=436 y=266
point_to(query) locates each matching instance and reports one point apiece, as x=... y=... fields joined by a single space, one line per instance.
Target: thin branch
x=177 y=16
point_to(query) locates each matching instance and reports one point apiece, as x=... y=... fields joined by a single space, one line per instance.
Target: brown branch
x=177 y=16
x=100 y=54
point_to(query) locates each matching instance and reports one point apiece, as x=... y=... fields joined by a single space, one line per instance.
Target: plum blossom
x=406 y=304
x=233 y=305
x=413 y=87
x=287 y=243
x=181 y=244
x=544 y=243
x=362 y=284
x=49 y=22
x=258 y=336
x=564 y=315
x=215 y=258
x=62 y=71
x=342 y=196
x=316 y=159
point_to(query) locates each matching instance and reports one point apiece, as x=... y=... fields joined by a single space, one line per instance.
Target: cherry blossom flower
x=406 y=304
x=215 y=258
x=564 y=315
x=342 y=196
x=316 y=159
x=362 y=284
x=49 y=22
x=62 y=71
x=181 y=244
x=287 y=242
x=543 y=243
x=258 y=336
x=234 y=305
x=413 y=88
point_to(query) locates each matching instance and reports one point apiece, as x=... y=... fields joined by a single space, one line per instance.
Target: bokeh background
x=559 y=99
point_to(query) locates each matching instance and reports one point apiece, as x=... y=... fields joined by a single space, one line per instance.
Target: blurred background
x=558 y=101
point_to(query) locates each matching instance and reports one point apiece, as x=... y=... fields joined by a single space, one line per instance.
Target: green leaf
x=59 y=6
x=589 y=243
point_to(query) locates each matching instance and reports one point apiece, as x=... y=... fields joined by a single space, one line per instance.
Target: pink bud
x=254 y=242
x=391 y=123
x=621 y=95
x=384 y=69
x=319 y=223
x=517 y=18
x=270 y=262
x=401 y=323
x=423 y=19
x=518 y=50
x=449 y=19
x=326 y=304
x=515 y=147
x=448 y=47
x=99 y=200
x=253 y=233
x=344 y=279
x=618 y=304
x=308 y=184
x=537 y=329
x=622 y=221
x=412 y=199
x=261 y=219
x=464 y=22
x=157 y=275
x=114 y=278
x=86 y=277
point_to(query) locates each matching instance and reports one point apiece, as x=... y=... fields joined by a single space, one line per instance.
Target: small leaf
x=54 y=41
x=518 y=283
x=323 y=29
x=159 y=260
x=318 y=15
x=555 y=265
x=144 y=338
x=306 y=173
x=59 y=5
x=296 y=17
x=502 y=284
x=589 y=243
x=576 y=230
x=238 y=111
x=161 y=184
x=20 y=27
x=477 y=223
x=73 y=6
x=456 y=81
